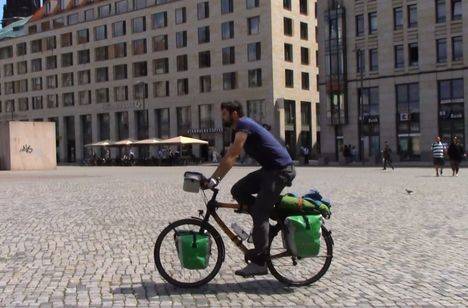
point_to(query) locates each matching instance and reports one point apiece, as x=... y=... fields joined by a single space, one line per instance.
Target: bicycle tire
x=329 y=246
x=213 y=233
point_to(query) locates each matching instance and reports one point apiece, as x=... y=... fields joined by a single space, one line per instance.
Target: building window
x=289 y=78
x=84 y=97
x=408 y=121
x=180 y=16
x=159 y=20
x=184 y=120
x=182 y=87
x=58 y=23
x=37 y=83
x=304 y=7
x=100 y=33
x=373 y=60
x=36 y=46
x=182 y=63
x=121 y=93
x=37 y=102
x=441 y=12
x=139 y=4
x=161 y=66
x=139 y=47
x=89 y=15
x=441 y=50
x=412 y=16
x=287 y=5
x=304 y=56
x=360 y=61
x=288 y=26
x=8 y=69
x=457 y=10
x=305 y=81
x=230 y=81
x=23 y=104
x=204 y=59
x=253 y=24
x=413 y=54
x=67 y=80
x=68 y=99
x=203 y=35
x=372 y=22
x=52 y=101
x=256 y=110
x=227 y=30
x=288 y=53
x=160 y=43
x=21 y=49
x=205 y=84
x=52 y=82
x=370 y=119
x=67 y=59
x=22 y=67
x=139 y=24
x=161 y=88
x=255 y=78
x=83 y=36
x=304 y=31
x=51 y=62
x=228 y=55
x=250 y=4
x=451 y=109
x=203 y=10
x=181 y=39
x=254 y=52
x=140 y=69
x=84 y=77
x=121 y=6
x=36 y=65
x=359 y=25
x=227 y=6
x=102 y=74
x=397 y=18
x=104 y=11
x=102 y=95
x=205 y=116
x=120 y=50
x=399 y=56
x=457 y=48
x=72 y=19
x=120 y=72
x=140 y=90
x=119 y=28
x=66 y=40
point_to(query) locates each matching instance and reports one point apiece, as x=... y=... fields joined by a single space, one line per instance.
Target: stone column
x=429 y=114
x=173 y=121
x=151 y=123
x=95 y=128
x=62 y=140
x=387 y=113
x=79 y=146
x=113 y=132
x=132 y=133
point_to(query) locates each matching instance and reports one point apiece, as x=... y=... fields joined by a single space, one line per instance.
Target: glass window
x=102 y=95
x=441 y=12
x=204 y=59
x=36 y=65
x=119 y=28
x=304 y=7
x=413 y=54
x=100 y=33
x=120 y=50
x=412 y=16
x=288 y=53
x=84 y=77
x=68 y=99
x=102 y=74
x=230 y=81
x=255 y=78
x=254 y=51
x=139 y=47
x=373 y=60
x=140 y=69
x=227 y=30
x=289 y=78
x=67 y=79
x=182 y=63
x=399 y=56
x=304 y=31
x=180 y=16
x=89 y=15
x=304 y=56
x=441 y=50
x=161 y=66
x=256 y=110
x=104 y=11
x=254 y=25
x=121 y=6
x=457 y=10
x=203 y=35
x=457 y=48
x=372 y=22
x=120 y=72
x=160 y=43
x=203 y=10
x=227 y=6
x=72 y=19
x=139 y=24
x=181 y=39
x=229 y=55
x=139 y=4
x=182 y=87
x=398 y=18
x=288 y=26
x=159 y=20
x=205 y=84
x=184 y=120
x=83 y=36
x=67 y=59
x=359 y=25
x=250 y=4
x=287 y=5
x=161 y=88
x=66 y=39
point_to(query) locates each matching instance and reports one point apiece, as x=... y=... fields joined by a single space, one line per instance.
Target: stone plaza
x=83 y=236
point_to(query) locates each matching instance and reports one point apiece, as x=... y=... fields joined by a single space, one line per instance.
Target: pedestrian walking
x=455 y=153
x=306 y=153
x=438 y=153
x=387 y=157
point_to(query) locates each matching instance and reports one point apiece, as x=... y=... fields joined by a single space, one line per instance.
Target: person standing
x=387 y=156
x=455 y=153
x=438 y=152
x=306 y=153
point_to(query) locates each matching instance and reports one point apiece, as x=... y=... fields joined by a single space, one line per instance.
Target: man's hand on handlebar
x=209 y=183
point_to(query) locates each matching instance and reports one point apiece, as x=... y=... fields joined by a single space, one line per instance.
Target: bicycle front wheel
x=167 y=259
x=295 y=271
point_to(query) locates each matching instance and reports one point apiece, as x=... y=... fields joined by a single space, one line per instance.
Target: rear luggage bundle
x=310 y=204
x=193 y=249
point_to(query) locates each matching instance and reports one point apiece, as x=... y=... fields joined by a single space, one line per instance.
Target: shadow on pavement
x=149 y=289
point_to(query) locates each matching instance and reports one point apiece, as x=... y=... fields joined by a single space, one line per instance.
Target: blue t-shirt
x=262 y=146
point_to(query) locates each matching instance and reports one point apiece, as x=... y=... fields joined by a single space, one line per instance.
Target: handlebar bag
x=193 y=249
x=301 y=235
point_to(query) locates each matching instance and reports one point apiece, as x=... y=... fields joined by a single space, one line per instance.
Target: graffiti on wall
x=27 y=149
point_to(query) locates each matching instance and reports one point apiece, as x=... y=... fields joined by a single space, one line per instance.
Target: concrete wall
x=27 y=146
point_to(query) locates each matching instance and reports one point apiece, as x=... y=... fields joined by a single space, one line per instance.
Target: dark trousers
x=267 y=184
x=387 y=161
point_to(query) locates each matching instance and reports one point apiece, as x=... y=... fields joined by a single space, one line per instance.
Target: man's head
x=455 y=140
x=437 y=139
x=231 y=112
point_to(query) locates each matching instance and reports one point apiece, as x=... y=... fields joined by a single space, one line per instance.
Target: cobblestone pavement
x=85 y=236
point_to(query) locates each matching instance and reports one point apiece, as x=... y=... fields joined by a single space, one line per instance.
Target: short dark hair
x=233 y=106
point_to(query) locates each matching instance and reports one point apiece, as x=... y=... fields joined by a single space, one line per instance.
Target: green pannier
x=289 y=205
x=301 y=236
x=193 y=249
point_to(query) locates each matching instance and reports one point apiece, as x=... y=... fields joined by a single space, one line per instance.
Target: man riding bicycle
x=277 y=172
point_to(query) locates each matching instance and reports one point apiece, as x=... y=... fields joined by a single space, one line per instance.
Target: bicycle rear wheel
x=167 y=261
x=299 y=271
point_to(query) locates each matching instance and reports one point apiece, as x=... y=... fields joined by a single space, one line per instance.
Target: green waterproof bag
x=194 y=249
x=302 y=235
x=291 y=205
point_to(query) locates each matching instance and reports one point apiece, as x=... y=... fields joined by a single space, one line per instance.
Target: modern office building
x=392 y=71
x=152 y=68
x=15 y=9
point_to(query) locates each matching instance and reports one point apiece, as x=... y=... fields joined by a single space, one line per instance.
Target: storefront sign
x=194 y=131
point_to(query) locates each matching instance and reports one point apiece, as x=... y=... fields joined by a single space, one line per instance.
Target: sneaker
x=252 y=269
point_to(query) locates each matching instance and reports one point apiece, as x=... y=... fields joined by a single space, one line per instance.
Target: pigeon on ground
x=409 y=192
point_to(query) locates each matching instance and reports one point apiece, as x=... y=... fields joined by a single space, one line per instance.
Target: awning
x=104 y=143
x=151 y=141
x=125 y=142
x=183 y=140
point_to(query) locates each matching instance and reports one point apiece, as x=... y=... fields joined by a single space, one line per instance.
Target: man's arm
x=230 y=158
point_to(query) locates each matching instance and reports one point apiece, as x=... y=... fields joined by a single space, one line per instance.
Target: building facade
x=392 y=71
x=152 y=68
x=14 y=9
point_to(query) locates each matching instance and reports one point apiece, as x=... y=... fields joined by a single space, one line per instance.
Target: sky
x=2 y=2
